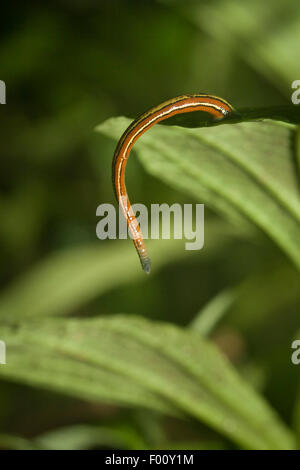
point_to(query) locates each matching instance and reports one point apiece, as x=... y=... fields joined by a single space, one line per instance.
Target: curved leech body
x=216 y=107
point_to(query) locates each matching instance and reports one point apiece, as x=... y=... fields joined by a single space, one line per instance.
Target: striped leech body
x=216 y=107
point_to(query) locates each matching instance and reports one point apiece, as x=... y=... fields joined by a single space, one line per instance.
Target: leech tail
x=146 y=264
x=141 y=250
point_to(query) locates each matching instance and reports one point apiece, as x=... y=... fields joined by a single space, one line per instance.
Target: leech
x=216 y=107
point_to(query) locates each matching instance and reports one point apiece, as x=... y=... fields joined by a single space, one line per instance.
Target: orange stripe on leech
x=137 y=131
x=154 y=118
x=178 y=107
x=216 y=102
x=158 y=116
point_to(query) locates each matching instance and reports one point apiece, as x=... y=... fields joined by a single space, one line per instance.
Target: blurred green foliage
x=68 y=66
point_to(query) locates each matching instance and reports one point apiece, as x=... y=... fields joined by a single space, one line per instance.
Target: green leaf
x=84 y=436
x=131 y=361
x=205 y=321
x=12 y=442
x=55 y=368
x=286 y=113
x=246 y=171
x=76 y=437
x=69 y=279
